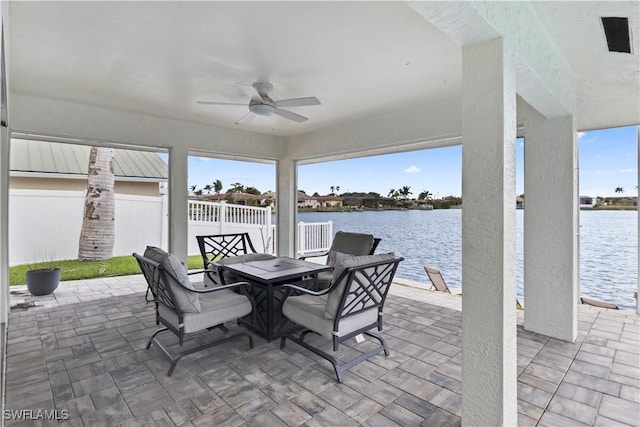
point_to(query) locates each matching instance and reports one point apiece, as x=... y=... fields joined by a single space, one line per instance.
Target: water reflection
x=608 y=246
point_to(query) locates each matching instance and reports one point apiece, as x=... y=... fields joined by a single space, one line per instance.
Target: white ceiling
x=358 y=58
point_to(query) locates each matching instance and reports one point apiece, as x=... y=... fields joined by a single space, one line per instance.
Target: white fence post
x=222 y=215
x=302 y=245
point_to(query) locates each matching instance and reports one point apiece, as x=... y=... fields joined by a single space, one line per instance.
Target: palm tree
x=217 y=186
x=619 y=190
x=192 y=188
x=236 y=187
x=425 y=195
x=98 y=221
x=405 y=191
x=392 y=193
x=332 y=188
x=337 y=188
x=208 y=188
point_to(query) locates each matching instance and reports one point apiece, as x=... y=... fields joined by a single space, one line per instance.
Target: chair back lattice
x=218 y=246
x=156 y=278
x=366 y=287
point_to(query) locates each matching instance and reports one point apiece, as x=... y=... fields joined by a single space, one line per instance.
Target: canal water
x=608 y=246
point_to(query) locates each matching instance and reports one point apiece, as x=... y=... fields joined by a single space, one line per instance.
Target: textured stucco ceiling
x=358 y=58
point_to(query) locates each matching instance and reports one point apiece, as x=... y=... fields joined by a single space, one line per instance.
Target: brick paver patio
x=86 y=356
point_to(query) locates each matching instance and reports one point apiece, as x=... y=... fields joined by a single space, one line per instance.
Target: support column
x=489 y=370
x=178 y=200
x=4 y=225
x=286 y=206
x=551 y=246
x=638 y=207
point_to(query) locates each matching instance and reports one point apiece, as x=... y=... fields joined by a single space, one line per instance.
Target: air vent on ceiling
x=616 y=31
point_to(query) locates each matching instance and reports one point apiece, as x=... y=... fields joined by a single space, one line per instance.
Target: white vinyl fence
x=45 y=225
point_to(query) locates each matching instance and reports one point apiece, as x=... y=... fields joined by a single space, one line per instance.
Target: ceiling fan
x=261 y=105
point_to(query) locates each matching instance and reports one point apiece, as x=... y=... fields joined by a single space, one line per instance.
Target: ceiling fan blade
x=250 y=91
x=290 y=115
x=219 y=103
x=246 y=118
x=297 y=102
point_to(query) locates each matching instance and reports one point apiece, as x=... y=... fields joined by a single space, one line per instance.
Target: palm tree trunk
x=98 y=221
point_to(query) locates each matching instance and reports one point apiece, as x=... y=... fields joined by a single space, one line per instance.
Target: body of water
x=608 y=246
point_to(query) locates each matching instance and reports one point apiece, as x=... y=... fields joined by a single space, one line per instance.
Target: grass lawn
x=76 y=270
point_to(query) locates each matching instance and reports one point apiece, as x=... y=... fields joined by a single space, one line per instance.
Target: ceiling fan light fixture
x=261 y=109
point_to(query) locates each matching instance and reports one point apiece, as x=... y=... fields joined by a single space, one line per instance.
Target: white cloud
x=412 y=169
x=580 y=134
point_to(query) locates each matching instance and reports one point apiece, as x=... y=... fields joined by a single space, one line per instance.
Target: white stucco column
x=638 y=207
x=4 y=225
x=178 y=200
x=551 y=246
x=286 y=206
x=489 y=370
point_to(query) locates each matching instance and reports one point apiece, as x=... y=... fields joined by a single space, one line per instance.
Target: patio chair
x=350 y=307
x=344 y=243
x=182 y=309
x=597 y=303
x=439 y=284
x=225 y=249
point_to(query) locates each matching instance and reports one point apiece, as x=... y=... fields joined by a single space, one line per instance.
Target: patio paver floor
x=89 y=358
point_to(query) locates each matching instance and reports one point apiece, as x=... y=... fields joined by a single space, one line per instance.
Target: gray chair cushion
x=308 y=311
x=187 y=302
x=352 y=243
x=217 y=307
x=333 y=301
x=324 y=277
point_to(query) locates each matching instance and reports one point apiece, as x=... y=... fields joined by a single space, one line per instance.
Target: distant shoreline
x=611 y=208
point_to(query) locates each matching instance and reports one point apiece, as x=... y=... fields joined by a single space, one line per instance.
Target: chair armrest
x=219 y=288
x=306 y=291
x=215 y=288
x=315 y=255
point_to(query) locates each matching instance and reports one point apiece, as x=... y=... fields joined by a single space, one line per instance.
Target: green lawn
x=76 y=270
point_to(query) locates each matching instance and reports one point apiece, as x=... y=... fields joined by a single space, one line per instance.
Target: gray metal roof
x=58 y=158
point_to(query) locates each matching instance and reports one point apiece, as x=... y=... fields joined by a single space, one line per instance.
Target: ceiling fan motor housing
x=264 y=108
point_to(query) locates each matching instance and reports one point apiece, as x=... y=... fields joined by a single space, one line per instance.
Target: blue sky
x=608 y=159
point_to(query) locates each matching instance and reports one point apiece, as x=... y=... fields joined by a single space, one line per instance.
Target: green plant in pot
x=43 y=279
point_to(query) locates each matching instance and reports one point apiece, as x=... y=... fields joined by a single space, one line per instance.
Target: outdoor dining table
x=267 y=278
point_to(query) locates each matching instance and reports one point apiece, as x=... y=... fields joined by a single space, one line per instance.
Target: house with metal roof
x=43 y=165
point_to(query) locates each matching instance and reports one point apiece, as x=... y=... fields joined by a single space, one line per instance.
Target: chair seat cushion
x=185 y=301
x=216 y=308
x=308 y=311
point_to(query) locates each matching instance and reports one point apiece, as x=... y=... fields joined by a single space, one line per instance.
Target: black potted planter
x=43 y=281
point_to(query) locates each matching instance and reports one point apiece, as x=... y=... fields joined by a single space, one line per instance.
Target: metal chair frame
x=215 y=247
x=363 y=290
x=157 y=278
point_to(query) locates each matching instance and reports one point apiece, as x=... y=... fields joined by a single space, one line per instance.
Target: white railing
x=314 y=237
x=222 y=218
x=233 y=214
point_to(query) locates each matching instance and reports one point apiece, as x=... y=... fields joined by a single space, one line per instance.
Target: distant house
x=306 y=201
x=330 y=201
x=43 y=165
x=587 y=202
